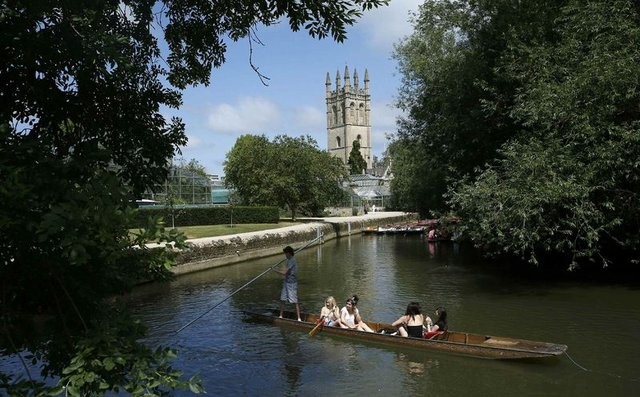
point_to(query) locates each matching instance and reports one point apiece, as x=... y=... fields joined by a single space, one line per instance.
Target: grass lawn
x=223 y=230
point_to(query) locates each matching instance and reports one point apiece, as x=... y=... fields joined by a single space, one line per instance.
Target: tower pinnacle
x=366 y=81
x=347 y=80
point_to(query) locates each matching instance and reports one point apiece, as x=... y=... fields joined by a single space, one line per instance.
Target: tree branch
x=253 y=36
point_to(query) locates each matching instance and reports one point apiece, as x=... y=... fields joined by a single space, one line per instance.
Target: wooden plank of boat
x=462 y=343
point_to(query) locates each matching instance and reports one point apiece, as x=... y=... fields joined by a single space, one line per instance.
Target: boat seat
x=433 y=334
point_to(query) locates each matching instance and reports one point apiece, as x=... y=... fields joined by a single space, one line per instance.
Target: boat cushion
x=432 y=334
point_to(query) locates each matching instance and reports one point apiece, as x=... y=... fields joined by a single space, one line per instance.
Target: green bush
x=207 y=215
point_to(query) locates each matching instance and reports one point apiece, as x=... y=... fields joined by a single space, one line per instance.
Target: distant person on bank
x=289 y=292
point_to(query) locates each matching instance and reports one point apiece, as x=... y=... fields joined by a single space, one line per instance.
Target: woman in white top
x=329 y=313
x=350 y=317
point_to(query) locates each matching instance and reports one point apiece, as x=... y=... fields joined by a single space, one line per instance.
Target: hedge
x=207 y=215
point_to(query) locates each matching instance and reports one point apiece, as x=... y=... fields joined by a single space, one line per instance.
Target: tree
x=570 y=189
x=417 y=183
x=530 y=113
x=456 y=102
x=292 y=173
x=357 y=164
x=195 y=167
x=81 y=134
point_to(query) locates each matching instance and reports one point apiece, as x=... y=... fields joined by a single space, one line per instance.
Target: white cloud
x=194 y=142
x=310 y=118
x=386 y=25
x=383 y=123
x=248 y=115
x=383 y=116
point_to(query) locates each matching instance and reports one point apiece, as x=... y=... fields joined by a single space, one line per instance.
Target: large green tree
x=292 y=173
x=531 y=111
x=456 y=103
x=570 y=189
x=81 y=134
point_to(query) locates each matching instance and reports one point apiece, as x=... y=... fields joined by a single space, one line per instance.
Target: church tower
x=348 y=110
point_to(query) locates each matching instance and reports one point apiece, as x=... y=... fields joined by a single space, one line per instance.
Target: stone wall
x=226 y=250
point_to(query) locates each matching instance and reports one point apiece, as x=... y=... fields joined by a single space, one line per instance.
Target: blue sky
x=236 y=102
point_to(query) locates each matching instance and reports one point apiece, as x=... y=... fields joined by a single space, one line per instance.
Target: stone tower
x=348 y=110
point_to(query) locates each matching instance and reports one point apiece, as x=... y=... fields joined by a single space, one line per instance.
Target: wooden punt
x=462 y=343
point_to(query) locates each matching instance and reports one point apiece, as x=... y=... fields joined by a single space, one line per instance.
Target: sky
x=238 y=103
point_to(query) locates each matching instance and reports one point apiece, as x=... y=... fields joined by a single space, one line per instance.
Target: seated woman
x=411 y=323
x=440 y=326
x=329 y=314
x=350 y=316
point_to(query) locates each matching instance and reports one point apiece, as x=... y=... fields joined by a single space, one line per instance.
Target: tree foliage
x=417 y=182
x=81 y=134
x=547 y=167
x=357 y=164
x=290 y=172
x=193 y=166
x=456 y=102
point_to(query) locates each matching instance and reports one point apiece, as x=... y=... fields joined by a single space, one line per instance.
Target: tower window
x=338 y=143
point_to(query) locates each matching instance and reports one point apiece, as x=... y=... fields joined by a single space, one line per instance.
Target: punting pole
x=249 y=282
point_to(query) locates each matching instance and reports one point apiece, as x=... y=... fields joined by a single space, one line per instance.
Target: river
x=239 y=357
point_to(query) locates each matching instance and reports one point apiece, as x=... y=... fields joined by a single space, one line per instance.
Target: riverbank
x=210 y=252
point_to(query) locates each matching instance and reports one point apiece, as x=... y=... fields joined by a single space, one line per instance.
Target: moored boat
x=370 y=230
x=407 y=229
x=462 y=343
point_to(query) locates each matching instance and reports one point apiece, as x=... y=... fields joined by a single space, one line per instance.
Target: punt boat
x=461 y=343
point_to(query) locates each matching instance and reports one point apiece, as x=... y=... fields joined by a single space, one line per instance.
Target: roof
x=371 y=192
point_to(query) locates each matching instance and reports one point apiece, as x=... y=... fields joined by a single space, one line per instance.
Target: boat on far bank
x=461 y=343
x=406 y=229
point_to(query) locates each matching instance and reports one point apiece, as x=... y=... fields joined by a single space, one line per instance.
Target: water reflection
x=292 y=360
x=238 y=356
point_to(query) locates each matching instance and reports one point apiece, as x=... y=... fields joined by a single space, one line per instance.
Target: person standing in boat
x=330 y=314
x=411 y=323
x=350 y=316
x=289 y=292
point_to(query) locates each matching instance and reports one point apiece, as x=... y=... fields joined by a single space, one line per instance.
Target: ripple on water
x=239 y=356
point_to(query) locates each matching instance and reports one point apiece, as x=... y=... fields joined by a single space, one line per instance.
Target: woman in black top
x=411 y=323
